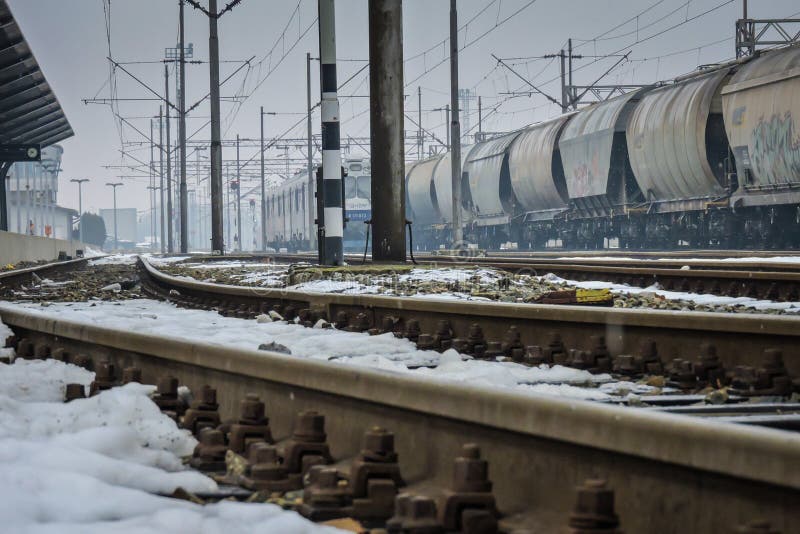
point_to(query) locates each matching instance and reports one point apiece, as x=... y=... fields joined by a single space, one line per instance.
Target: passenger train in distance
x=287 y=209
x=711 y=159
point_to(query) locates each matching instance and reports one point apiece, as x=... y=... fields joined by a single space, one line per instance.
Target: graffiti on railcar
x=585 y=177
x=775 y=155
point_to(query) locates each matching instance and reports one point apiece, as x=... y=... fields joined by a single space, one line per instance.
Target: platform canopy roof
x=29 y=110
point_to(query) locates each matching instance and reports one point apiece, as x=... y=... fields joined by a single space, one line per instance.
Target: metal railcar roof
x=29 y=110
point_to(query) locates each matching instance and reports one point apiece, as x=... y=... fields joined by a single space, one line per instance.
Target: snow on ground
x=96 y=465
x=750 y=259
x=705 y=299
x=130 y=259
x=384 y=352
x=384 y=283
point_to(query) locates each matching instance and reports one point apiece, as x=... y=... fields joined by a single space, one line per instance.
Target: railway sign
x=17 y=152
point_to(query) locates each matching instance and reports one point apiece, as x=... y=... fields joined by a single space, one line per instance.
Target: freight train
x=287 y=208
x=711 y=159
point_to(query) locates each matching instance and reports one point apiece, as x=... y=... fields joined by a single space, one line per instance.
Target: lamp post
x=80 y=181
x=115 y=185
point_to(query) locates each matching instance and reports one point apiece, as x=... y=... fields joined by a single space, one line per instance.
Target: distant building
x=32 y=189
x=126 y=225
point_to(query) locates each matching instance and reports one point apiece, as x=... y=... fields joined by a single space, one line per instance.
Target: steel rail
x=740 y=339
x=779 y=282
x=13 y=276
x=538 y=448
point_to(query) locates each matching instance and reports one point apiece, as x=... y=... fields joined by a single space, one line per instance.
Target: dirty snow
x=750 y=259
x=384 y=352
x=96 y=465
x=698 y=298
x=130 y=259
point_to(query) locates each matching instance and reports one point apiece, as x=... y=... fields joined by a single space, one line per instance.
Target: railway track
x=768 y=281
x=468 y=455
x=15 y=276
x=756 y=353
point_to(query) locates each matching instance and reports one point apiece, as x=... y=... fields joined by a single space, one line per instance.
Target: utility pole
x=420 y=147
x=571 y=91
x=152 y=189
x=161 y=175
x=310 y=201
x=114 y=186
x=263 y=191
x=480 y=120
x=447 y=120
x=568 y=94
x=80 y=181
x=564 y=98
x=182 y=138
x=169 y=164
x=455 y=127
x=332 y=216
x=217 y=244
x=238 y=197
x=386 y=130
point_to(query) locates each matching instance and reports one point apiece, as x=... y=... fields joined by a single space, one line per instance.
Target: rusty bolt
x=625 y=364
x=41 y=351
x=61 y=354
x=342 y=320
x=25 y=348
x=360 y=323
x=421 y=516
x=379 y=445
x=131 y=374
x=425 y=342
x=412 y=331
x=594 y=508
x=251 y=409
x=212 y=442
x=83 y=360
x=167 y=386
x=310 y=427
x=494 y=349
x=105 y=371
x=73 y=392
x=470 y=472
x=208 y=396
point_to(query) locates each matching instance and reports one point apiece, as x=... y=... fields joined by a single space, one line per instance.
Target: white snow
x=698 y=298
x=384 y=352
x=751 y=259
x=130 y=259
x=95 y=465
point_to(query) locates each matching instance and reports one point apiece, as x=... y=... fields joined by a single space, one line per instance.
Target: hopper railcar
x=709 y=160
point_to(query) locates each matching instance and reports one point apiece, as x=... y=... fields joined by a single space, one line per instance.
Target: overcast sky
x=69 y=39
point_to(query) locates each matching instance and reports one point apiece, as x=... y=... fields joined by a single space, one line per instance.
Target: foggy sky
x=69 y=41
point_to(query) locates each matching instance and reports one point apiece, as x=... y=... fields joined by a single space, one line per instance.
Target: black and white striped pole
x=331 y=221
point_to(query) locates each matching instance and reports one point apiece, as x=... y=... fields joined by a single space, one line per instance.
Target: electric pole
x=169 y=164
x=114 y=186
x=455 y=127
x=312 y=234
x=217 y=243
x=447 y=121
x=387 y=149
x=182 y=137
x=152 y=188
x=420 y=147
x=238 y=197
x=480 y=120
x=263 y=191
x=80 y=181
x=161 y=175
